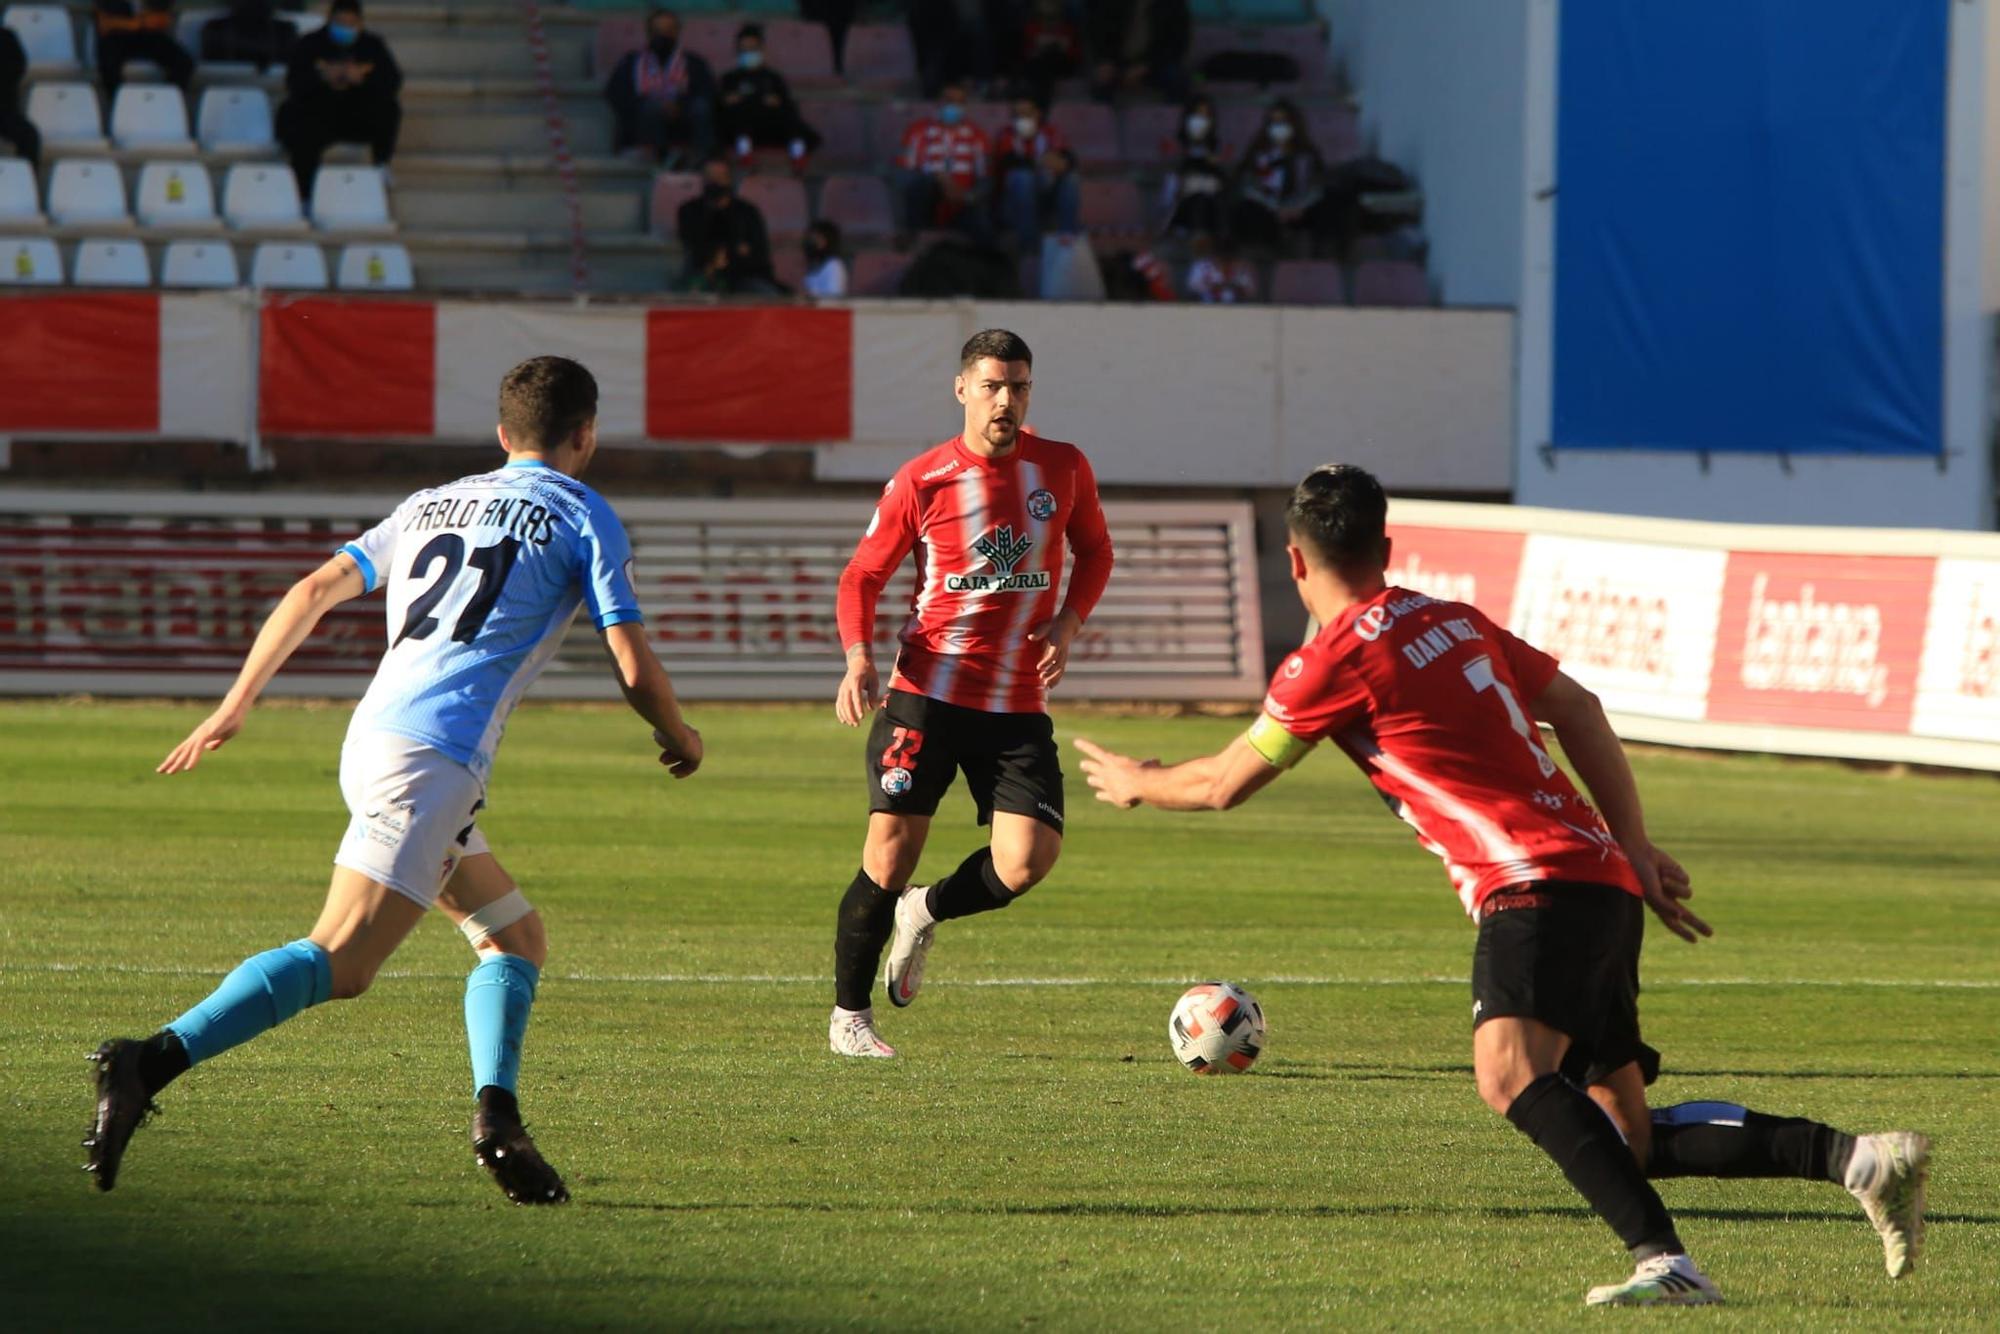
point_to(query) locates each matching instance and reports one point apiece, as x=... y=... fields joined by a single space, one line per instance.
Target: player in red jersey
x=990 y=514
x=1437 y=705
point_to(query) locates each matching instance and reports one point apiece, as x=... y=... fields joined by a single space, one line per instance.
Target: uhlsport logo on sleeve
x=1004 y=550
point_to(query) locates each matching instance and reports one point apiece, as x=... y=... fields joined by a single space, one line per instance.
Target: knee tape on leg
x=496 y=917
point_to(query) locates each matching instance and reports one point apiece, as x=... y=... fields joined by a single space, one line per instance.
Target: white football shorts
x=411 y=814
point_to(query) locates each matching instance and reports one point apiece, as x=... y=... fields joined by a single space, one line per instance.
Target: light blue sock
x=264 y=991
x=498 y=995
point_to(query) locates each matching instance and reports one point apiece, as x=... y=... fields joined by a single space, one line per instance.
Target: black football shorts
x=917 y=745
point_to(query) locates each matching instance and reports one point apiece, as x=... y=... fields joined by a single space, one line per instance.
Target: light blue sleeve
x=373 y=550
x=607 y=568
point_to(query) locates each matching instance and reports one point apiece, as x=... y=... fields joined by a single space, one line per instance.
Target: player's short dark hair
x=1000 y=344
x=1341 y=513
x=545 y=401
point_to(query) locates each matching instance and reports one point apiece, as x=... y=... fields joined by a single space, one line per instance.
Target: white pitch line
x=801 y=979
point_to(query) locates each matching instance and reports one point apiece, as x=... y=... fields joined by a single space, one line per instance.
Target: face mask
x=1025 y=126
x=951 y=113
x=749 y=59
x=714 y=193
x=664 y=46
x=1197 y=126
x=342 y=34
x=1281 y=132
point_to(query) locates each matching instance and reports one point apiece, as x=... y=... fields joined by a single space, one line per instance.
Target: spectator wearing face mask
x=724 y=245
x=1278 y=185
x=341 y=88
x=663 y=96
x=1036 y=174
x=754 y=107
x=826 y=271
x=250 y=33
x=942 y=170
x=1192 y=196
x=142 y=31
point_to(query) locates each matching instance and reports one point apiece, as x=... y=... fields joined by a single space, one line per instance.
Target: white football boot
x=1663 y=1280
x=852 y=1033
x=903 y=972
x=1888 y=1174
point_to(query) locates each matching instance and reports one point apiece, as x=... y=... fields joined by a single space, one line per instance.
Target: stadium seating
x=1335 y=131
x=20 y=199
x=876 y=272
x=178 y=195
x=1391 y=282
x=881 y=53
x=300 y=266
x=68 y=116
x=30 y=261
x=671 y=189
x=843 y=130
x=799 y=50
x=150 y=118
x=860 y=205
x=1148 y=133
x=350 y=199
x=375 y=268
x=198 y=264
x=614 y=38
x=262 y=198
x=1092 y=131
x=236 y=121
x=87 y=192
x=107 y=262
x=1307 y=282
x=1112 y=206
x=46 y=34
x=782 y=200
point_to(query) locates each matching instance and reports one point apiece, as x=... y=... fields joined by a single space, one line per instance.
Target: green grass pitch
x=1036 y=1159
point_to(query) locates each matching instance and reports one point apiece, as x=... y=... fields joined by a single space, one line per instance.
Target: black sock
x=1566 y=1125
x=862 y=930
x=162 y=1060
x=498 y=1104
x=1721 y=1139
x=974 y=887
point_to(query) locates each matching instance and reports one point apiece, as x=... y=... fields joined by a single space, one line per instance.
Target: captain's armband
x=1269 y=738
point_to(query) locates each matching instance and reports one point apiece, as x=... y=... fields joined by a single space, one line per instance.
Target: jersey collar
x=527 y=463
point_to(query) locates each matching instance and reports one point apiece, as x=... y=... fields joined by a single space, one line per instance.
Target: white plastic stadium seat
x=175 y=194
x=301 y=266
x=262 y=198
x=236 y=120
x=67 y=114
x=350 y=199
x=104 y=262
x=29 y=261
x=87 y=191
x=150 y=117
x=46 y=34
x=198 y=264
x=20 y=198
x=379 y=268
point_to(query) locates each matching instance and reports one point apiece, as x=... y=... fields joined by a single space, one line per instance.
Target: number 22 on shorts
x=901 y=752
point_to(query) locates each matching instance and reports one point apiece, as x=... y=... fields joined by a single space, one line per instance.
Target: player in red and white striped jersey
x=990 y=515
x=1437 y=705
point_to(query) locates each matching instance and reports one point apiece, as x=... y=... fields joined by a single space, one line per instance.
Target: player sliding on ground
x=1437 y=705
x=483 y=577
x=990 y=513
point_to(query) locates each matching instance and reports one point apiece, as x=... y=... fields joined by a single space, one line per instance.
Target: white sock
x=919 y=899
x=845 y=1016
x=1862 y=1166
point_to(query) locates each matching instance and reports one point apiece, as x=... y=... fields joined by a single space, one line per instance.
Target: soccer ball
x=1217 y=1028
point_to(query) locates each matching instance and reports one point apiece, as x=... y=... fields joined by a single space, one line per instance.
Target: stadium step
x=493 y=261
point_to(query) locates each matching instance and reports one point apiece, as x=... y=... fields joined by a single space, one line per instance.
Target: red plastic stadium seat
x=614 y=38
x=782 y=200
x=843 y=130
x=800 y=51
x=713 y=38
x=1236 y=124
x=1335 y=131
x=1092 y=130
x=880 y=53
x=859 y=204
x=1307 y=282
x=1391 y=282
x=671 y=189
x=876 y=273
x=1113 y=206
x=1150 y=134
x=788 y=266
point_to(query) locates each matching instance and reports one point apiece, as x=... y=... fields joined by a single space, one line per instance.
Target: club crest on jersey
x=1004 y=550
x=1041 y=504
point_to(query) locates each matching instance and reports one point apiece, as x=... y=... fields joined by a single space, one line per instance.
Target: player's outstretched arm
x=304 y=603
x=650 y=692
x=1598 y=756
x=1215 y=782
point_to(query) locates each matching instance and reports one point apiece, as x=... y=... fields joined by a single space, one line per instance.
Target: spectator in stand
x=1136 y=44
x=1051 y=50
x=341 y=88
x=15 y=127
x=1219 y=275
x=1037 y=178
x=724 y=245
x=1279 y=184
x=250 y=33
x=664 y=96
x=838 y=16
x=142 y=32
x=826 y=271
x=1192 y=196
x=754 y=106
x=942 y=171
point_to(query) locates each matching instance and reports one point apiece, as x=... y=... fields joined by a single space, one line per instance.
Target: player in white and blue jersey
x=482 y=577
